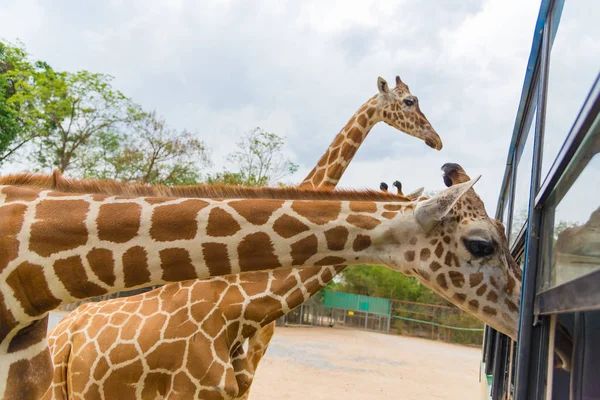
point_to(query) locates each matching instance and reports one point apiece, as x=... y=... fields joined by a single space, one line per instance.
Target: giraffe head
x=400 y=109
x=462 y=254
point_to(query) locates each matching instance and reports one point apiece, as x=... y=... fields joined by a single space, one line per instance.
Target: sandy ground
x=337 y=363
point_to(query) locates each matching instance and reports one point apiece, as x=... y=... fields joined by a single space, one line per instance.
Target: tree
x=19 y=118
x=77 y=109
x=379 y=281
x=259 y=159
x=149 y=153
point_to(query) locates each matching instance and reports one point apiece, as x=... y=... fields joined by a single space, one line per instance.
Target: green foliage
x=378 y=281
x=259 y=159
x=149 y=153
x=77 y=109
x=18 y=119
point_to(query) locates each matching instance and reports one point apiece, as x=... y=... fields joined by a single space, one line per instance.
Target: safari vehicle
x=549 y=203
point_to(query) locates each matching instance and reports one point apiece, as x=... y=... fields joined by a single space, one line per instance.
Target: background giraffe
x=264 y=298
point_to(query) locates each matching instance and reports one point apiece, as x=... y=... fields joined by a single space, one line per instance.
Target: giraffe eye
x=408 y=102
x=479 y=248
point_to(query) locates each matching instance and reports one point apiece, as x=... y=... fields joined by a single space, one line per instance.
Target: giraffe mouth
x=433 y=140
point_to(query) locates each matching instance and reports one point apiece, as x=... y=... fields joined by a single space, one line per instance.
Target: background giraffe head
x=400 y=109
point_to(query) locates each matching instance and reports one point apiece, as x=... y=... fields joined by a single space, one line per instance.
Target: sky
x=301 y=70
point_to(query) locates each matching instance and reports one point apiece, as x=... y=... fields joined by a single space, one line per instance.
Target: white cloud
x=301 y=69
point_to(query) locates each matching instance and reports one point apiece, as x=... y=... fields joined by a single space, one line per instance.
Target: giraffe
x=398 y=108
x=69 y=240
x=279 y=291
x=273 y=295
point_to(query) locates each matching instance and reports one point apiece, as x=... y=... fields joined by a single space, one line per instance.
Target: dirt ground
x=337 y=363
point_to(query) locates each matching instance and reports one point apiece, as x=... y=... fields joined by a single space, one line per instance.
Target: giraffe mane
x=109 y=187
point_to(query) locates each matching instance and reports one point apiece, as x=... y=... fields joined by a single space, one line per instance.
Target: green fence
x=357 y=302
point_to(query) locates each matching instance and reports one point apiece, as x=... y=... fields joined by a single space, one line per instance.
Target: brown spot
x=475 y=279
x=257 y=215
x=16 y=193
x=433 y=242
x=459 y=297
x=337 y=238
x=157 y=200
x=392 y=207
x=446 y=239
x=449 y=258
x=494 y=283
x=12 y=217
x=510 y=285
x=441 y=280
x=363 y=206
x=348 y=150
x=176 y=265
x=424 y=255
x=221 y=223
x=59 y=226
x=511 y=306
x=256 y=252
x=492 y=296
x=481 y=290
x=434 y=266
x=102 y=263
x=473 y=304
x=119 y=222
x=439 y=250
x=362 y=120
x=425 y=275
x=457 y=278
x=123 y=352
x=389 y=215
x=363 y=221
x=287 y=227
x=334 y=172
x=409 y=256
x=72 y=274
x=304 y=249
x=318 y=212
x=355 y=135
x=489 y=310
x=331 y=260
x=29 y=378
x=361 y=242
x=216 y=258
x=176 y=221
x=135 y=267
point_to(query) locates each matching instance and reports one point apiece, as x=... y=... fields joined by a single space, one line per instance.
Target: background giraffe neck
x=336 y=159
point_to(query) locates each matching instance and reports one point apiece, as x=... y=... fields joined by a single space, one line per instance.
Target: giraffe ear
x=382 y=85
x=429 y=213
x=415 y=194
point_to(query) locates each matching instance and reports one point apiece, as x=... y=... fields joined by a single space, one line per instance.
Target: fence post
x=366 y=320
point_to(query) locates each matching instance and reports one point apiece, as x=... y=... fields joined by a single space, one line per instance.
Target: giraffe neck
x=331 y=166
x=81 y=246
